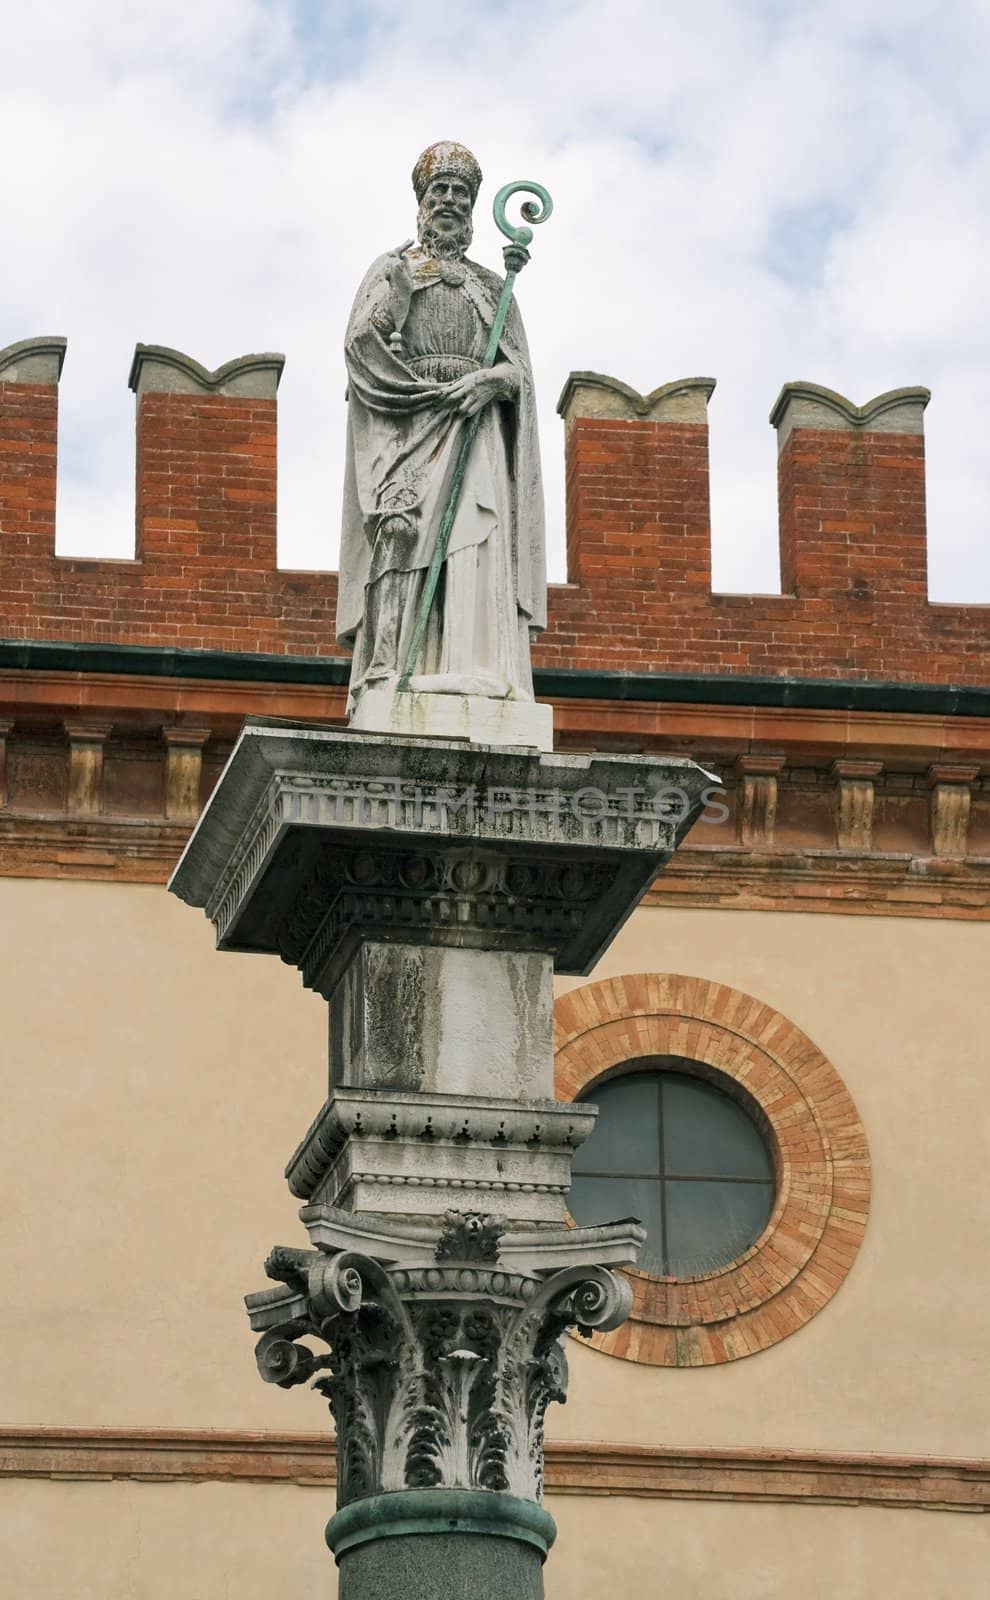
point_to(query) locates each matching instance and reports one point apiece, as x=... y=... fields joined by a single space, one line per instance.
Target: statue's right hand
x=400 y=292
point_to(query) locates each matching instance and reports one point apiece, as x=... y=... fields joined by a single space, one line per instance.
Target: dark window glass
x=683 y=1157
x=612 y=1199
x=707 y=1135
x=625 y=1140
x=710 y=1223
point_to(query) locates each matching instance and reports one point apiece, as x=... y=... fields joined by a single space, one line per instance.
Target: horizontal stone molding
x=33 y=360
x=636 y=693
x=926 y=758
x=532 y=1142
x=825 y=881
x=156 y=369
x=808 y=405
x=151 y=1455
x=595 y=394
x=135 y=850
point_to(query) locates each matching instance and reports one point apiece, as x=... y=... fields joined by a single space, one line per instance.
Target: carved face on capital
x=445 y=215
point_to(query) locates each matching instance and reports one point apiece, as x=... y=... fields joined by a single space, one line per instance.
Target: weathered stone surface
x=442 y=559
x=441 y=1366
x=536 y=1251
x=428 y=888
x=809 y=405
x=157 y=369
x=405 y=1154
x=438 y=1566
x=482 y=719
x=33 y=361
x=595 y=394
x=444 y=1021
x=316 y=840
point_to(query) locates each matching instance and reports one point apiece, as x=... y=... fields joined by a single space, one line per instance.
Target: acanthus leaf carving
x=440 y=1375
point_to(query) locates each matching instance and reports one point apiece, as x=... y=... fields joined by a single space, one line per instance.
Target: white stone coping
x=595 y=394
x=808 y=405
x=33 y=360
x=157 y=369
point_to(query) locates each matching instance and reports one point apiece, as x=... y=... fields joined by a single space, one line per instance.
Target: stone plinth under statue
x=480 y=719
x=428 y=889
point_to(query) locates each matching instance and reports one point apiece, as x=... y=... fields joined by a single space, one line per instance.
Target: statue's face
x=447 y=202
x=445 y=215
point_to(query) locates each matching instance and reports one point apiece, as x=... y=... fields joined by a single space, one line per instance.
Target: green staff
x=516 y=256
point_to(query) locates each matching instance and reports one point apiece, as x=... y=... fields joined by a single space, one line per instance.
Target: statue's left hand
x=477 y=389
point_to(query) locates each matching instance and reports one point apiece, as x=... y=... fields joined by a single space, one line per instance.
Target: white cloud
x=756 y=191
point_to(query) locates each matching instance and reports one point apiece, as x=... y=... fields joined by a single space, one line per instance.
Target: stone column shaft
x=441 y=1545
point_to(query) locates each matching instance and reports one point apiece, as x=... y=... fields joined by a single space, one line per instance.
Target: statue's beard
x=443 y=243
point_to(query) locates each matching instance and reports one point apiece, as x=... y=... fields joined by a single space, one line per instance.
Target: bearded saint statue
x=414 y=347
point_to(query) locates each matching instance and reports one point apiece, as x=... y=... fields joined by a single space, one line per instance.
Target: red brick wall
x=852 y=544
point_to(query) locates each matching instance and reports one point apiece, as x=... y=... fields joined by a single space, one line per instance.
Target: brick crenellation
x=638 y=597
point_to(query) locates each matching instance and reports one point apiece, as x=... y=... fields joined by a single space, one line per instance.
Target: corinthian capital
x=441 y=1362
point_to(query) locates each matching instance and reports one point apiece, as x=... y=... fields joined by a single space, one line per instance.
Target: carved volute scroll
x=439 y=1373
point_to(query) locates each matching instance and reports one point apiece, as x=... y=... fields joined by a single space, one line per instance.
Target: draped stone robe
x=401 y=450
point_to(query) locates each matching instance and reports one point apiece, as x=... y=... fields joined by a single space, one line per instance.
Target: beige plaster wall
x=897 y=1360
x=242 y=1542
x=154 y=1089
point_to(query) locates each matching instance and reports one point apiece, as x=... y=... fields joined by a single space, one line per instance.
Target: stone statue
x=414 y=348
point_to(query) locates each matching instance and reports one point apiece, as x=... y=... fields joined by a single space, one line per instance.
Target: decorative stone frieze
x=441 y=1366
x=950 y=801
x=317 y=840
x=460 y=894
x=373 y=1150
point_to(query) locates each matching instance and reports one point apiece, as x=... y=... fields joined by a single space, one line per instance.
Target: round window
x=683 y=1157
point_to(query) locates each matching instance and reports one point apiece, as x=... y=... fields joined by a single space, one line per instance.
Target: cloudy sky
x=756 y=190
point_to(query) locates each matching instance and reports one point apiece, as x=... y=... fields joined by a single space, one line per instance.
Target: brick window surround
x=819 y=1148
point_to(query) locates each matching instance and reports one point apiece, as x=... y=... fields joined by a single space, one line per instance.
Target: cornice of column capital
x=853 y=767
x=176 y=735
x=957 y=773
x=759 y=764
x=88 y=730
